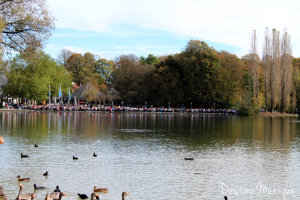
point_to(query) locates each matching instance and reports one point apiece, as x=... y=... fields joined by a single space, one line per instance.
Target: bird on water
x=82 y=196
x=188 y=158
x=95 y=155
x=105 y=190
x=38 y=188
x=46 y=173
x=124 y=194
x=22 y=179
x=57 y=189
x=29 y=196
x=75 y=158
x=24 y=156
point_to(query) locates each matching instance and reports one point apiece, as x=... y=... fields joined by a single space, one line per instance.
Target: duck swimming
x=82 y=196
x=225 y=197
x=95 y=155
x=22 y=179
x=105 y=190
x=188 y=158
x=57 y=189
x=75 y=158
x=38 y=188
x=45 y=174
x=24 y=156
x=35 y=145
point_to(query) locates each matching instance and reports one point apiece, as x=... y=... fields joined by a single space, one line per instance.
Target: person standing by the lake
x=1 y=140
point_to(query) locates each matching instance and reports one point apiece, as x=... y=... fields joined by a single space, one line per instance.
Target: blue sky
x=161 y=27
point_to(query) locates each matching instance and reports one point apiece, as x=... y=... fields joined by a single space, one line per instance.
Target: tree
x=30 y=79
x=230 y=78
x=277 y=59
x=200 y=73
x=26 y=24
x=129 y=79
x=150 y=60
x=253 y=61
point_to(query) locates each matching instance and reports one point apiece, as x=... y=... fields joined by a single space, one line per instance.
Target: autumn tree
x=277 y=59
x=129 y=79
x=230 y=78
x=26 y=24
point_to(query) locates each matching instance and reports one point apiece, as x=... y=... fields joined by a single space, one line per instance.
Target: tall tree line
x=277 y=61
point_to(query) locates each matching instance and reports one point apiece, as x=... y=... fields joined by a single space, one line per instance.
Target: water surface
x=143 y=154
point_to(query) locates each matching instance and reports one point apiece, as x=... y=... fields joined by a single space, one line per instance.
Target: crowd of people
x=119 y=108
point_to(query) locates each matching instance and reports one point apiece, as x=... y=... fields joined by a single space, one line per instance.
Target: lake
x=143 y=154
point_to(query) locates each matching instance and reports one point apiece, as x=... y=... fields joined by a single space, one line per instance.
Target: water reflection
x=143 y=153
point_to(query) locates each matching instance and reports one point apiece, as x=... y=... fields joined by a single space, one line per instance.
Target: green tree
x=31 y=78
x=200 y=73
x=150 y=60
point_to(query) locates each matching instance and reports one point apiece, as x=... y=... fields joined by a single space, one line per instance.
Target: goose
x=55 y=196
x=75 y=158
x=1 y=140
x=100 y=189
x=29 y=196
x=57 y=189
x=94 y=196
x=38 y=188
x=24 y=156
x=95 y=155
x=188 y=158
x=124 y=194
x=82 y=196
x=22 y=179
x=2 y=195
x=45 y=174
x=35 y=145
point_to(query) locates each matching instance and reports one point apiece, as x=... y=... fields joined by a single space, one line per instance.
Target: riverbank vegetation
x=198 y=76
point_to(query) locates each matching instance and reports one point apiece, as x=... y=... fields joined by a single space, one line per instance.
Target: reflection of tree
x=190 y=130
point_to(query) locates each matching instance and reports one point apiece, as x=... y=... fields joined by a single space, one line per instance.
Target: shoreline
x=277 y=114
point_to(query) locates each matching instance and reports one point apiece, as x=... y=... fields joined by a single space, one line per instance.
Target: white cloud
x=229 y=22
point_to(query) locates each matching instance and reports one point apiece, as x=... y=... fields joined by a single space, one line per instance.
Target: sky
x=162 y=27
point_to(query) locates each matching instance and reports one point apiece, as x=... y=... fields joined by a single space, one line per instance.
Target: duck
x=46 y=173
x=225 y=197
x=24 y=156
x=124 y=194
x=35 y=145
x=188 y=158
x=94 y=196
x=75 y=158
x=29 y=196
x=22 y=179
x=105 y=190
x=82 y=196
x=38 y=188
x=95 y=155
x=57 y=189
